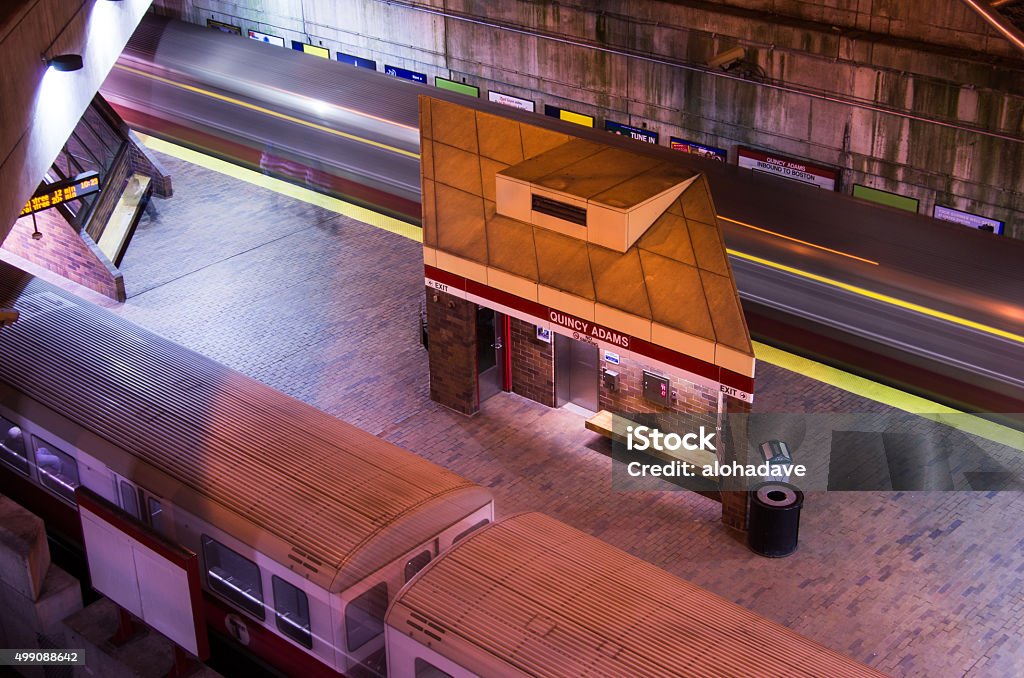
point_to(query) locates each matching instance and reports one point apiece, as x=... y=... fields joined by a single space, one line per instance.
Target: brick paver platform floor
x=327 y=309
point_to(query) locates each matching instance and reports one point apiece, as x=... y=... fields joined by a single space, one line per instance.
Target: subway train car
x=530 y=596
x=307 y=527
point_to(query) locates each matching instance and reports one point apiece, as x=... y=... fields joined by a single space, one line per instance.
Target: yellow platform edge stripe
x=887 y=395
x=813 y=370
x=362 y=214
x=884 y=298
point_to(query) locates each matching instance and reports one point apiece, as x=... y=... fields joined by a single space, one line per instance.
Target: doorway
x=490 y=352
x=576 y=373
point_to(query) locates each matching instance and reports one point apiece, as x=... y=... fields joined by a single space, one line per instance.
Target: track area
x=925 y=305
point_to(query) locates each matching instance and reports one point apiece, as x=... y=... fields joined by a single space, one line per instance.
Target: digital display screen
x=54 y=194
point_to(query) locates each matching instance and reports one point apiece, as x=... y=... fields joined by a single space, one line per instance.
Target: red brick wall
x=65 y=252
x=533 y=364
x=451 y=328
x=145 y=162
x=690 y=398
x=735 y=501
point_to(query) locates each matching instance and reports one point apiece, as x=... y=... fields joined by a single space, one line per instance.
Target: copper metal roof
x=673 y=287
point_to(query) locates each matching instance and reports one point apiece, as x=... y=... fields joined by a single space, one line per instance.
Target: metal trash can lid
x=779 y=495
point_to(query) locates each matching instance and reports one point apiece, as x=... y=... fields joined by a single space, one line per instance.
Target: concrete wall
x=823 y=67
x=40 y=107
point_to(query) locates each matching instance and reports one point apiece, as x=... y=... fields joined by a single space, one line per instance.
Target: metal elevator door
x=576 y=373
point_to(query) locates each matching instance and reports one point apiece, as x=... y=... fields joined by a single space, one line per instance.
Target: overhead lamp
x=65 y=62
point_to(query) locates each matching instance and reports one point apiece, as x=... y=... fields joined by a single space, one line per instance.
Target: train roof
x=544 y=598
x=318 y=495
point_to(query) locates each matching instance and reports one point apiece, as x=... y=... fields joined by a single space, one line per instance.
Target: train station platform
x=327 y=309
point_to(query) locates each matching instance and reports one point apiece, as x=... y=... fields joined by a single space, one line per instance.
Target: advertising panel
x=223 y=27
x=358 y=62
x=709 y=152
x=901 y=202
x=787 y=168
x=509 y=100
x=570 y=116
x=968 y=219
x=266 y=37
x=630 y=131
x=405 y=74
x=460 y=87
x=321 y=52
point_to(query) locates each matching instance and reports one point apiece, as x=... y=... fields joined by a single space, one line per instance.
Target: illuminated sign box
x=569 y=116
x=266 y=37
x=509 y=100
x=968 y=219
x=461 y=88
x=787 y=168
x=900 y=202
x=321 y=52
x=709 y=152
x=358 y=62
x=405 y=74
x=630 y=131
x=223 y=27
x=54 y=194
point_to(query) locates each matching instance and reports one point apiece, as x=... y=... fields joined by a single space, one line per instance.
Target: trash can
x=774 y=519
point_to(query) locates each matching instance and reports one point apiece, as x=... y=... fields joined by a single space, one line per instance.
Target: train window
x=58 y=471
x=364 y=616
x=425 y=669
x=156 y=515
x=130 y=499
x=233 y=576
x=417 y=563
x=12 y=445
x=292 y=607
x=472 y=528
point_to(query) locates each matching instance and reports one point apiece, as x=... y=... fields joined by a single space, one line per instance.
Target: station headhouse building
x=571 y=271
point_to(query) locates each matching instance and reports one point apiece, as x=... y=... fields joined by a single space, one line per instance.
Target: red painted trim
x=506 y=341
x=737 y=381
x=636 y=345
x=264 y=643
x=450 y=279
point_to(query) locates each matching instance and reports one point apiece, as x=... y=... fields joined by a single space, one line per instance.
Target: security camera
x=7 y=316
x=727 y=58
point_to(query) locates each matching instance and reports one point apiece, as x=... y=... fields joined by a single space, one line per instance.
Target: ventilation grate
x=560 y=210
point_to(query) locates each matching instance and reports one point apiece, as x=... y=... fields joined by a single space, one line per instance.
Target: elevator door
x=490 y=357
x=576 y=373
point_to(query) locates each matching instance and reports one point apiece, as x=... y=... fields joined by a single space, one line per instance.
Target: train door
x=140 y=504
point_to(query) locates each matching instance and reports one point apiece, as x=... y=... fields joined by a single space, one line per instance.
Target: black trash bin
x=774 y=518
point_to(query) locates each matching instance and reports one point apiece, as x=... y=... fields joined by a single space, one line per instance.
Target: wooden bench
x=603 y=424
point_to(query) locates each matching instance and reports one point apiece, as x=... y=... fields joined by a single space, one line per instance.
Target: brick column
x=533 y=364
x=451 y=328
x=735 y=497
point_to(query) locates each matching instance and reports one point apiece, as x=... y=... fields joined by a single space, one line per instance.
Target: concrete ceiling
x=40 y=107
